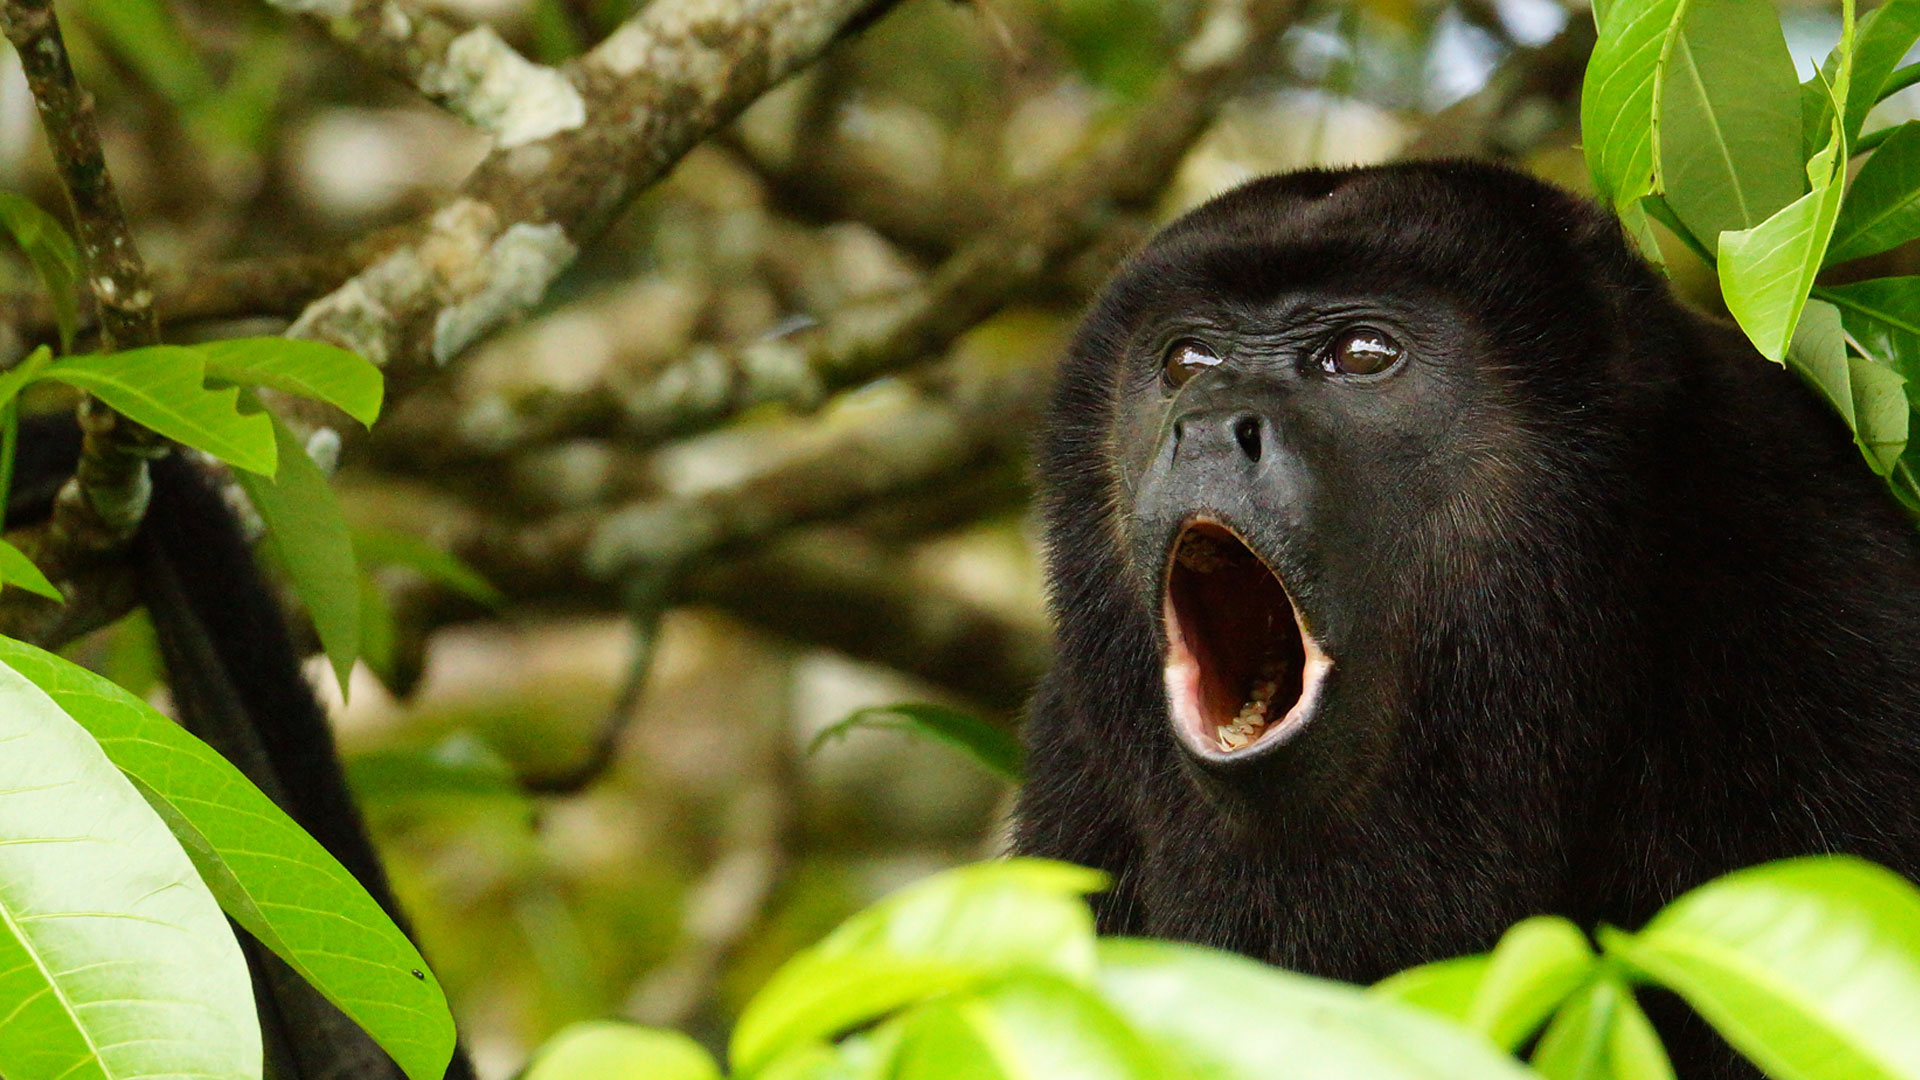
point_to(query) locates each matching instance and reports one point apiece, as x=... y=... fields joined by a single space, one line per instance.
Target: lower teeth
x=1247 y=725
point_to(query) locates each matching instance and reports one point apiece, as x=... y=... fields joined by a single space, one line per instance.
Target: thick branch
x=1046 y=226
x=655 y=88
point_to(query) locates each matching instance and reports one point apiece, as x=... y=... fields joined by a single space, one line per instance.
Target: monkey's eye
x=1185 y=359
x=1362 y=351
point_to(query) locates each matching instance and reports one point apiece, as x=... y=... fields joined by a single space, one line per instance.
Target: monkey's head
x=1314 y=435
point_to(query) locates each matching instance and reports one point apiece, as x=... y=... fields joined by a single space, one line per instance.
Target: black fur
x=1614 y=604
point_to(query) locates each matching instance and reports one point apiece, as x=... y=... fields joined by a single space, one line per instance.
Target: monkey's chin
x=1243 y=672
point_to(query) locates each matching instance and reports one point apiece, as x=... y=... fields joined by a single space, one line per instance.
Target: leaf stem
x=1898 y=81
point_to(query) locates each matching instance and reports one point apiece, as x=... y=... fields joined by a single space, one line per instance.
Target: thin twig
x=99 y=511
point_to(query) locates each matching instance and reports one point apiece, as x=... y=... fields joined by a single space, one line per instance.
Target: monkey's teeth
x=1200 y=553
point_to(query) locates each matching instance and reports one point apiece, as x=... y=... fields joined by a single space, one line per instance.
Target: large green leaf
x=1883 y=315
x=949 y=933
x=17 y=569
x=1538 y=962
x=309 y=537
x=1447 y=987
x=1767 y=271
x=115 y=963
x=1729 y=121
x=268 y=874
x=164 y=387
x=1810 y=967
x=1885 y=36
x=1880 y=210
x=604 y=1050
x=1026 y=1027
x=308 y=369
x=1230 y=1017
x=1620 y=99
x=995 y=748
x=53 y=255
x=1867 y=393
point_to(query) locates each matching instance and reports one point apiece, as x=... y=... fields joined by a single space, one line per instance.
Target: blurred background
x=597 y=791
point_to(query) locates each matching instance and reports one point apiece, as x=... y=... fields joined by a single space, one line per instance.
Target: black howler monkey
x=1420 y=564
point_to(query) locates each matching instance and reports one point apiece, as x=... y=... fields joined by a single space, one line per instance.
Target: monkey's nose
x=1203 y=433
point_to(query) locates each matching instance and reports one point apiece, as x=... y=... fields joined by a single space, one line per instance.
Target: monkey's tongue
x=1238 y=661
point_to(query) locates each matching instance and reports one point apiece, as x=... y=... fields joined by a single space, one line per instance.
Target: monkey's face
x=1321 y=424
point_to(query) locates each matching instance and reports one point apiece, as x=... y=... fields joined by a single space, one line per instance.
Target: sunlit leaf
x=54 y=258
x=1227 y=1016
x=948 y=933
x=309 y=537
x=1538 y=962
x=164 y=387
x=308 y=369
x=603 y=1050
x=115 y=963
x=1619 y=101
x=1026 y=1027
x=1810 y=967
x=1575 y=1044
x=268 y=874
x=1729 y=124
x=994 y=748
x=17 y=569
x=1446 y=987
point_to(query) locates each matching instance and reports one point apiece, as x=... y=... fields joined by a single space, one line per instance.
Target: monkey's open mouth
x=1242 y=669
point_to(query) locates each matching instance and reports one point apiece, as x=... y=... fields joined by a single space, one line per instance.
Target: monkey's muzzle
x=1242 y=669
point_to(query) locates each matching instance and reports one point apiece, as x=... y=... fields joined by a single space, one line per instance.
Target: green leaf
x=604 y=1050
x=1227 y=1016
x=1884 y=38
x=308 y=369
x=1446 y=987
x=1538 y=962
x=1729 y=121
x=1621 y=96
x=1810 y=967
x=1601 y=1034
x=1029 y=1026
x=53 y=255
x=274 y=879
x=949 y=933
x=1884 y=316
x=387 y=547
x=17 y=569
x=309 y=537
x=163 y=387
x=115 y=963
x=1767 y=271
x=994 y=748
x=16 y=378
x=1867 y=393
x=145 y=34
x=1880 y=210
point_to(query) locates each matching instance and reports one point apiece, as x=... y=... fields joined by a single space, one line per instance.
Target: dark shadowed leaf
x=268 y=874
x=115 y=962
x=1884 y=316
x=54 y=258
x=1810 y=967
x=309 y=537
x=1880 y=210
x=994 y=748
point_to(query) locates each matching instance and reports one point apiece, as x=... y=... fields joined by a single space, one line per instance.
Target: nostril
x=1246 y=432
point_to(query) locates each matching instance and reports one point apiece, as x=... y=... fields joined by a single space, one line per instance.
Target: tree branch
x=656 y=87
x=99 y=510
